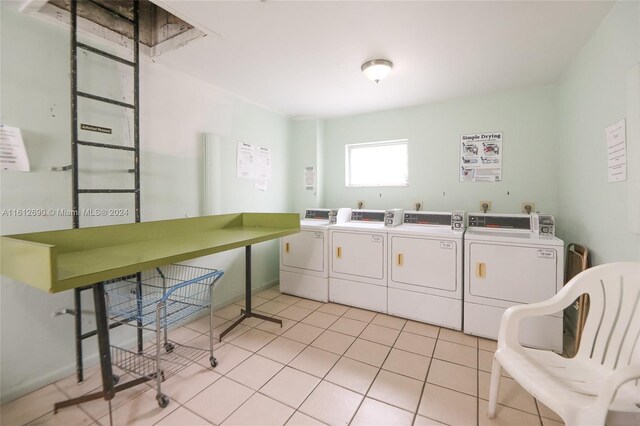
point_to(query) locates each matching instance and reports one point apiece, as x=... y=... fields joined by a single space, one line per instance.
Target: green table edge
x=38 y=258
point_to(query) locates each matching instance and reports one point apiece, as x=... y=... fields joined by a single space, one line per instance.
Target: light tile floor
x=328 y=364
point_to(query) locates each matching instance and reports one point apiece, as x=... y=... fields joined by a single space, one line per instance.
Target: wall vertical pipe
x=212 y=175
x=633 y=148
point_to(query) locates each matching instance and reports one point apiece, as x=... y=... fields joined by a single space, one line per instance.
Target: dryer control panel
x=367 y=216
x=319 y=214
x=490 y=221
x=428 y=218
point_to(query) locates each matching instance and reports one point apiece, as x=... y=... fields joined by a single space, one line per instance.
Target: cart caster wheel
x=116 y=379
x=163 y=400
x=213 y=361
x=168 y=347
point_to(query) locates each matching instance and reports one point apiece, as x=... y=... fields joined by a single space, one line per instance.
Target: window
x=377 y=164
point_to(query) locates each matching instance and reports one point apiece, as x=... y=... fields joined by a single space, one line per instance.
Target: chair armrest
x=613 y=381
x=510 y=321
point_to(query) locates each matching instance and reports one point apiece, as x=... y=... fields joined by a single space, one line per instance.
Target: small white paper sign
x=310 y=178
x=246 y=160
x=13 y=155
x=261 y=184
x=616 y=152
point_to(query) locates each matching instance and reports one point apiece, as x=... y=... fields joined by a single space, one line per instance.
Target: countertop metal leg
x=102 y=326
x=246 y=312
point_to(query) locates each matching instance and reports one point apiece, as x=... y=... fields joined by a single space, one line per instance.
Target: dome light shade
x=377 y=69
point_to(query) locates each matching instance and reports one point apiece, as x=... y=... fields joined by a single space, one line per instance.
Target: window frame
x=347 y=163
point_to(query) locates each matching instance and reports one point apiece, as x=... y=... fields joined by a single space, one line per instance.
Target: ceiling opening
x=160 y=31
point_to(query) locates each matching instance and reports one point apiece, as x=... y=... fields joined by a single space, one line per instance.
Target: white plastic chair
x=605 y=373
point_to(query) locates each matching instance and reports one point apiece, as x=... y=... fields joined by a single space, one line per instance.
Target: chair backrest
x=611 y=336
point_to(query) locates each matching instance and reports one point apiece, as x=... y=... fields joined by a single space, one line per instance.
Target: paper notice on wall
x=616 y=152
x=263 y=163
x=13 y=155
x=481 y=157
x=260 y=184
x=246 y=161
x=310 y=178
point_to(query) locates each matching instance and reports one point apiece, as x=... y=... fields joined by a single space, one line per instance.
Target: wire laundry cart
x=163 y=297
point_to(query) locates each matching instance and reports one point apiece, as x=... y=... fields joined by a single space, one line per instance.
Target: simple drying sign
x=481 y=157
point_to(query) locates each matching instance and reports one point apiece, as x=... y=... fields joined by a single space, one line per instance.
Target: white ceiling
x=303 y=58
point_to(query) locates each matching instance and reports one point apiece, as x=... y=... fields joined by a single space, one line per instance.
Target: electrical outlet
x=485 y=206
x=360 y=204
x=418 y=205
x=528 y=207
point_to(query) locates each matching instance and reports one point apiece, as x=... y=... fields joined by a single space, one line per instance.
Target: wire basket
x=183 y=291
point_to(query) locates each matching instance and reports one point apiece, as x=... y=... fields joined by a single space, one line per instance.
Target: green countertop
x=55 y=261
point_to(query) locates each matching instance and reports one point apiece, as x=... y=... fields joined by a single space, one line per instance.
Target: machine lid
x=367 y=216
x=428 y=218
x=318 y=214
x=504 y=236
x=521 y=222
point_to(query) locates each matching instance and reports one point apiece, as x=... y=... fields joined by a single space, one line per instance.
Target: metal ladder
x=75 y=142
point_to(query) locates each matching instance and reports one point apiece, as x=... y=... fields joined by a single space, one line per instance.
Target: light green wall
x=592 y=96
x=527 y=119
x=175 y=112
x=304 y=153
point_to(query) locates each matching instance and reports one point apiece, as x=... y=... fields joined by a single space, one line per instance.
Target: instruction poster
x=246 y=160
x=263 y=163
x=254 y=162
x=13 y=155
x=616 y=152
x=310 y=178
x=481 y=157
x=263 y=168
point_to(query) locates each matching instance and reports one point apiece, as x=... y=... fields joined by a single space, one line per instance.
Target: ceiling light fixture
x=377 y=69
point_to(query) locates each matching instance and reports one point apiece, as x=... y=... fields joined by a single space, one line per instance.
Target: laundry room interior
x=307 y=212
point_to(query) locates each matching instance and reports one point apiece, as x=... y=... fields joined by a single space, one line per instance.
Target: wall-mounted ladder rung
x=106 y=145
x=75 y=126
x=107 y=191
x=113 y=12
x=106 y=100
x=105 y=54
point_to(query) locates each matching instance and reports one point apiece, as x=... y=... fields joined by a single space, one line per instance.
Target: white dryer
x=507 y=263
x=358 y=265
x=425 y=268
x=304 y=258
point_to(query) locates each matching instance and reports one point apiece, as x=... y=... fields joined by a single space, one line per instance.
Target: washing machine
x=508 y=261
x=304 y=257
x=358 y=262
x=425 y=268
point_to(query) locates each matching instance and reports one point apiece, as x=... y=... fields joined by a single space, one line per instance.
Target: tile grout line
x=255 y=353
x=293 y=368
x=478 y=385
x=379 y=370
x=329 y=370
x=424 y=385
x=310 y=344
x=323 y=378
